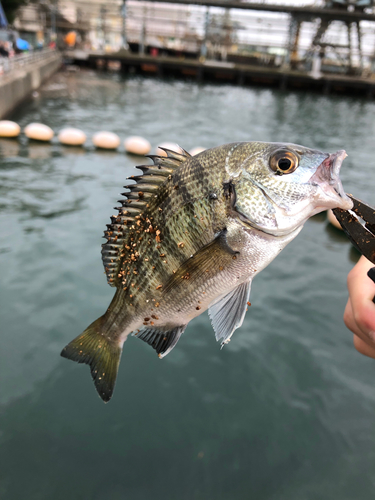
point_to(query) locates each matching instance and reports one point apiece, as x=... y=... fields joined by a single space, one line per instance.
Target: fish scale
x=190 y=235
x=184 y=219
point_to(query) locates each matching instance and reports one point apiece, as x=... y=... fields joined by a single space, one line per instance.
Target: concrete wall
x=20 y=83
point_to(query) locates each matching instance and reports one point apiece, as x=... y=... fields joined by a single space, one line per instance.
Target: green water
x=285 y=411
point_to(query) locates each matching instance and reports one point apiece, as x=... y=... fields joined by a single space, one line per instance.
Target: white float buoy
x=332 y=219
x=168 y=145
x=106 y=140
x=137 y=145
x=72 y=137
x=39 y=132
x=196 y=151
x=9 y=129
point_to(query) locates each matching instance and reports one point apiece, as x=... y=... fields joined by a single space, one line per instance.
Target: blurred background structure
x=326 y=45
x=329 y=36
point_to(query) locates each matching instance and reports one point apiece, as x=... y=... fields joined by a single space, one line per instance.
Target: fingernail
x=371 y=274
x=372 y=336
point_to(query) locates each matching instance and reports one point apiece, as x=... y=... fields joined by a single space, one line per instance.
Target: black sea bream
x=192 y=233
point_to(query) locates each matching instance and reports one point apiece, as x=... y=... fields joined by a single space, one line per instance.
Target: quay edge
x=18 y=84
x=231 y=72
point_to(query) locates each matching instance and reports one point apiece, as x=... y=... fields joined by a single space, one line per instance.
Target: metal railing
x=8 y=64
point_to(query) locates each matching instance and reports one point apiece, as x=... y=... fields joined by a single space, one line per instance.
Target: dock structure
x=309 y=11
x=220 y=71
x=348 y=13
x=329 y=48
x=296 y=48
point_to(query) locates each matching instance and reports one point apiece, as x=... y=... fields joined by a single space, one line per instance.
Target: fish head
x=279 y=186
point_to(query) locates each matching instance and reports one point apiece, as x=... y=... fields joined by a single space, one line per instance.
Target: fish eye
x=283 y=162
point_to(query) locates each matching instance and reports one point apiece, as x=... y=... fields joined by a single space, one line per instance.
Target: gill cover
x=274 y=192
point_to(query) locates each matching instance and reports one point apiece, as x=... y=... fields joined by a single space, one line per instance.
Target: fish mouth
x=327 y=178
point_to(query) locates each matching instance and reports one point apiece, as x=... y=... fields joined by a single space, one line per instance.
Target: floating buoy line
x=103 y=139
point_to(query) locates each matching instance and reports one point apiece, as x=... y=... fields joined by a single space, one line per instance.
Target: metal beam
x=310 y=11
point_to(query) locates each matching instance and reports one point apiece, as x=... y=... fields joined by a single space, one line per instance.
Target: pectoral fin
x=209 y=260
x=227 y=313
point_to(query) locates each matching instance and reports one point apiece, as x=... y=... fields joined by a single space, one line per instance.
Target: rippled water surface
x=285 y=411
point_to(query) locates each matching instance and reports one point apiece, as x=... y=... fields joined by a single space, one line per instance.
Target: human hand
x=359 y=315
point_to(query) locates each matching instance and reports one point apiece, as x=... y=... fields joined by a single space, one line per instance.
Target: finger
x=361 y=293
x=360 y=340
x=363 y=348
x=352 y=325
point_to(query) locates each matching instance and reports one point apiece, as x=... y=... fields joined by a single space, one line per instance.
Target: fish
x=191 y=234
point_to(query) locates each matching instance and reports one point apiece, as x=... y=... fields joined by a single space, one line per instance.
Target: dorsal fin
x=180 y=157
x=134 y=205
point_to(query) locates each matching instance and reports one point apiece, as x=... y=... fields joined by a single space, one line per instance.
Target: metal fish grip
x=359 y=225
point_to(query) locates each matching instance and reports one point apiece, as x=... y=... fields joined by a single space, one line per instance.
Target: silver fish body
x=191 y=235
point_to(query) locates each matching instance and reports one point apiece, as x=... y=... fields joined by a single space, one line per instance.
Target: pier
x=223 y=71
x=327 y=48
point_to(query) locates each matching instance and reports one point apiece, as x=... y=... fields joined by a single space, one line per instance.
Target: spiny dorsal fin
x=181 y=156
x=134 y=204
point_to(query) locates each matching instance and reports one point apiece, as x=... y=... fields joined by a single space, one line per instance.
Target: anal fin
x=228 y=312
x=162 y=341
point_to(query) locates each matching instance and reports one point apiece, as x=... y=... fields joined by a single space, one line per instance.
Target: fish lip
x=330 y=169
x=327 y=177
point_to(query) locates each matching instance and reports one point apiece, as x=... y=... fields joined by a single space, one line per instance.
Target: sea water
x=285 y=411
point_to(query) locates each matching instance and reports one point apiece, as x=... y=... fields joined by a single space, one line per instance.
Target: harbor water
x=286 y=411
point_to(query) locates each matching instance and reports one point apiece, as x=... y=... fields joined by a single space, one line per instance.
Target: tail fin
x=94 y=348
